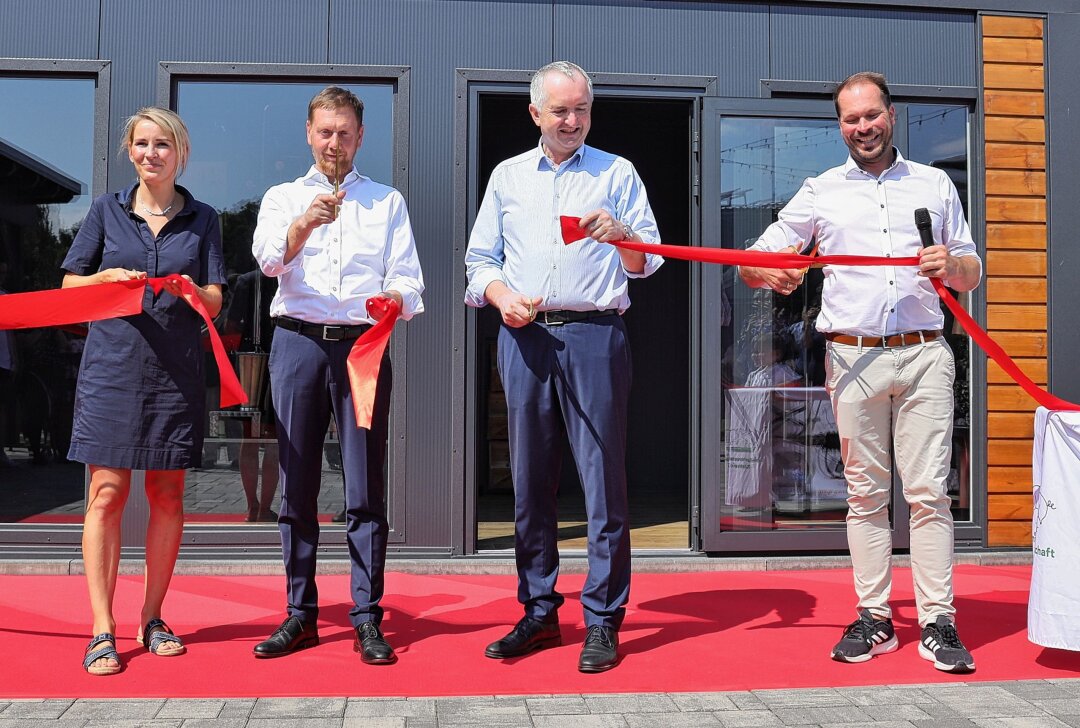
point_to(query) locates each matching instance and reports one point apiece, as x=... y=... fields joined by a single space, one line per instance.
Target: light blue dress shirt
x=517 y=240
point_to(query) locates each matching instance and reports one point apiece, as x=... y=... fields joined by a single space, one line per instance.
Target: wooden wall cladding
x=1014 y=103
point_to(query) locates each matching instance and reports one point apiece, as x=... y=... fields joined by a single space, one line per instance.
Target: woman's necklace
x=163 y=213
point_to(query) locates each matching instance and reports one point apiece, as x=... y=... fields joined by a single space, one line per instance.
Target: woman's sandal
x=160 y=634
x=93 y=656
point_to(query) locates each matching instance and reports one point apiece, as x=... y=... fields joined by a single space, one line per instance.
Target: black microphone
x=922 y=222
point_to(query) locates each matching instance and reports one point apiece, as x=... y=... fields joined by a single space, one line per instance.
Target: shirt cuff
x=481 y=279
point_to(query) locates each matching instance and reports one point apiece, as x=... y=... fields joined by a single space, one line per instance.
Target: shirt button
x=883 y=207
x=890 y=283
x=884 y=230
x=335 y=240
x=333 y=288
x=892 y=310
x=888 y=255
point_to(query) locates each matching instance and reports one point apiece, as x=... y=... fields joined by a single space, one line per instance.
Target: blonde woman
x=140 y=402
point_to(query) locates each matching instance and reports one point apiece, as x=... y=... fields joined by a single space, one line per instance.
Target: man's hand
x=375 y=312
x=600 y=225
x=959 y=273
x=517 y=309
x=322 y=210
x=782 y=280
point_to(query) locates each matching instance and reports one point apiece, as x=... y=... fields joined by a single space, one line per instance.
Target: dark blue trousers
x=575 y=376
x=309 y=381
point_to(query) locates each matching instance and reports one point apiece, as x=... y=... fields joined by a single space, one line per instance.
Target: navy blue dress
x=140 y=402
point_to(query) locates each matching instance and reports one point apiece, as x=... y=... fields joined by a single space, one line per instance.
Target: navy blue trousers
x=575 y=376
x=309 y=381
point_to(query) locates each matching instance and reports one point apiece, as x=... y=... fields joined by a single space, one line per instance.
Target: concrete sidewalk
x=1021 y=704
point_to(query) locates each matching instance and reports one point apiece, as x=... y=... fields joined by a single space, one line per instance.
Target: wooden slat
x=1034 y=368
x=1009 y=479
x=1009 y=398
x=1015 y=209
x=1008 y=452
x=1015 y=129
x=1028 y=263
x=1015 y=182
x=1008 y=533
x=1016 y=317
x=1012 y=50
x=1010 y=425
x=1019 y=236
x=1021 y=343
x=1016 y=290
x=1012 y=76
x=1005 y=26
x=1014 y=103
x=1009 y=507
x=1015 y=156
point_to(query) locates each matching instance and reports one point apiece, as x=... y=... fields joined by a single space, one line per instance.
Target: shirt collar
x=852 y=169
x=315 y=177
x=543 y=160
x=126 y=197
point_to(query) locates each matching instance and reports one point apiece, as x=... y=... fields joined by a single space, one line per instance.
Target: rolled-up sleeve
x=795 y=224
x=637 y=213
x=403 y=273
x=484 y=256
x=271 y=234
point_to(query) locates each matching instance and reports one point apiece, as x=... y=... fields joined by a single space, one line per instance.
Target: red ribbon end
x=571 y=229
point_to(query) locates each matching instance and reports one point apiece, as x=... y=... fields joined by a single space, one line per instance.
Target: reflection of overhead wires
x=930 y=116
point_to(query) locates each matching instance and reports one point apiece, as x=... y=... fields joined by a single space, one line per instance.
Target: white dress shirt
x=848 y=211
x=517 y=238
x=367 y=250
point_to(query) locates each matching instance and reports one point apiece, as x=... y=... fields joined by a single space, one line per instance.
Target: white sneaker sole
x=956 y=669
x=885 y=647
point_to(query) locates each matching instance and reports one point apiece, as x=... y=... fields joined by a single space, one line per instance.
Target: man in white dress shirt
x=889 y=370
x=333 y=239
x=563 y=355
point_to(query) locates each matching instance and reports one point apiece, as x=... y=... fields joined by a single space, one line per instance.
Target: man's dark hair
x=877 y=79
x=335 y=97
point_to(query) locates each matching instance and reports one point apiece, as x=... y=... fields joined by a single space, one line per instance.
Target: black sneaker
x=864 y=638
x=941 y=645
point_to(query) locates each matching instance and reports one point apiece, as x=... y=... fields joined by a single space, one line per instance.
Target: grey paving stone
x=673 y=720
x=815 y=697
x=1032 y=690
x=390 y=707
x=237 y=708
x=895 y=712
x=481 y=711
x=215 y=723
x=1023 y=722
x=294 y=723
x=693 y=702
x=975 y=701
x=114 y=710
x=823 y=714
x=386 y=722
x=568 y=705
x=298 y=708
x=873 y=724
x=885 y=696
x=36 y=709
x=131 y=723
x=944 y=723
x=747 y=719
x=746 y=700
x=32 y=723
x=1058 y=707
x=414 y=723
x=190 y=708
x=631 y=703
x=608 y=720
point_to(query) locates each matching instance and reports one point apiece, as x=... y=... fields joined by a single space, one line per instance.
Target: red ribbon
x=365 y=358
x=63 y=306
x=572 y=232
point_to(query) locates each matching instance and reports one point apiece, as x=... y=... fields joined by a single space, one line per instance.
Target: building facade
x=724 y=108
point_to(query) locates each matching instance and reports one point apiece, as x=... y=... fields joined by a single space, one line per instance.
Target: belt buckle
x=328 y=333
x=557 y=321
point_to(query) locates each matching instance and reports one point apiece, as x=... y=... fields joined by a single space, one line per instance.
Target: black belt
x=326 y=332
x=558 y=318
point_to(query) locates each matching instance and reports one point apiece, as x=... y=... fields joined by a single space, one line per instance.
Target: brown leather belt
x=888 y=342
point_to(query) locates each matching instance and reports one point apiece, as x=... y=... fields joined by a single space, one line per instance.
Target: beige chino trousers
x=896 y=405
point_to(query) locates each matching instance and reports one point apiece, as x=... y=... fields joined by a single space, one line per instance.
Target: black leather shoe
x=601 y=649
x=527 y=635
x=291 y=636
x=372 y=646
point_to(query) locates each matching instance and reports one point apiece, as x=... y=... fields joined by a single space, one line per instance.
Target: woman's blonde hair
x=170 y=123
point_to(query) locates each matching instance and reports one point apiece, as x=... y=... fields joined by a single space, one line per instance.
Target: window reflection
x=46 y=168
x=245 y=138
x=781 y=451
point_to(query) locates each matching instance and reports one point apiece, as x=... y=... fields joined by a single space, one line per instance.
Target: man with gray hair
x=563 y=355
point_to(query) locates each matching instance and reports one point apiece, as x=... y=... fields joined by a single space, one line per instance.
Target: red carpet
x=683 y=632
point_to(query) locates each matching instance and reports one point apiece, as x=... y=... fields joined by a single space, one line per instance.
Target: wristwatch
x=628 y=232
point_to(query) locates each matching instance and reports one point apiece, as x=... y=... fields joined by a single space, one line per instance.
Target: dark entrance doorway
x=655 y=134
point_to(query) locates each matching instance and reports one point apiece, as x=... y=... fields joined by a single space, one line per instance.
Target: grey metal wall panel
x=910 y=47
x=726 y=40
x=49 y=29
x=1063 y=214
x=252 y=31
x=435 y=37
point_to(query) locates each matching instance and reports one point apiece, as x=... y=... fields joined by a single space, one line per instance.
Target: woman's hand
x=116 y=275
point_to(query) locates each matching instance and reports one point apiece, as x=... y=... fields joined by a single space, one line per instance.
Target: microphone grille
x=922 y=218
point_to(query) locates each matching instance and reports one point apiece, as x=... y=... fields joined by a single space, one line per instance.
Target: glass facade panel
x=781 y=452
x=246 y=137
x=46 y=173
